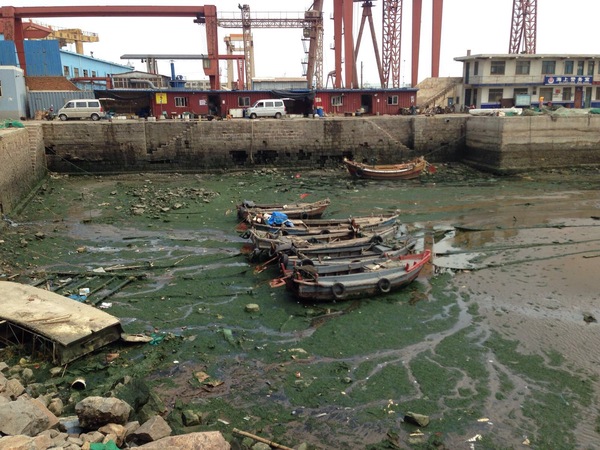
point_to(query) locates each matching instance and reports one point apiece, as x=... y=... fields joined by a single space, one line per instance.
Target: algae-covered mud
x=497 y=342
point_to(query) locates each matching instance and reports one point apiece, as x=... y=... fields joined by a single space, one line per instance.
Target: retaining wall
x=237 y=144
x=515 y=144
x=22 y=164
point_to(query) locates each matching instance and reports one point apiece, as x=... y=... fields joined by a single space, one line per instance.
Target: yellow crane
x=72 y=36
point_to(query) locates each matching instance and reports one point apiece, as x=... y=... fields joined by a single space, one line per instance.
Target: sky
x=481 y=26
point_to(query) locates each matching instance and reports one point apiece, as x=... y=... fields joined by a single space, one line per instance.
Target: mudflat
x=497 y=342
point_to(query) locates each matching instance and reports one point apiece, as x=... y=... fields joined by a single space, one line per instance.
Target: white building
x=13 y=93
x=498 y=80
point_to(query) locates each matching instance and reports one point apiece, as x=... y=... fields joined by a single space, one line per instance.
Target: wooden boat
x=358 y=281
x=403 y=171
x=322 y=244
x=312 y=227
x=292 y=210
x=375 y=253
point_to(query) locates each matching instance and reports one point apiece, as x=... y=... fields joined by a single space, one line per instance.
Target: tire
x=95 y=117
x=278 y=116
x=306 y=262
x=63 y=117
x=253 y=116
x=338 y=290
x=377 y=239
x=384 y=285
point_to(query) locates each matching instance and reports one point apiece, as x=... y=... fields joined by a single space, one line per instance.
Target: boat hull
x=292 y=210
x=389 y=276
x=405 y=171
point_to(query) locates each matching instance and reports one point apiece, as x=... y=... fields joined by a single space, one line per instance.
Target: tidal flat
x=497 y=341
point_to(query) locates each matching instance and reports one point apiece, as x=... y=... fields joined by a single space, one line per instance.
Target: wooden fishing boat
x=322 y=244
x=292 y=210
x=358 y=281
x=404 y=171
x=312 y=227
x=326 y=263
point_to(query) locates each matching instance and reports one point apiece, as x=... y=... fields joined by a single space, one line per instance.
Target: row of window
x=86 y=73
x=245 y=101
x=497 y=94
x=548 y=68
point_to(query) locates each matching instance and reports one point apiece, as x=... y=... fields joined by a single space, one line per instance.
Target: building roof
x=49 y=84
x=526 y=56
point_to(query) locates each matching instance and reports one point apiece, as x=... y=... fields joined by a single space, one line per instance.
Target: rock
x=93 y=437
x=118 y=432
x=25 y=442
x=56 y=406
x=211 y=440
x=190 y=418
x=3 y=366
x=93 y=412
x=261 y=446
x=23 y=416
x=416 y=419
x=153 y=429
x=13 y=388
x=27 y=375
x=252 y=307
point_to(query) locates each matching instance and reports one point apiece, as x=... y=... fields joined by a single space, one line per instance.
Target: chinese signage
x=552 y=80
x=161 y=98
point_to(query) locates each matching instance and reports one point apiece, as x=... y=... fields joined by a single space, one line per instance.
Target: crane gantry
x=523 y=30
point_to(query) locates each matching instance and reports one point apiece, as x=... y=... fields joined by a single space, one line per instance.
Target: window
x=392 y=100
x=476 y=68
x=580 y=67
x=546 y=93
x=521 y=91
x=495 y=95
x=80 y=104
x=269 y=104
x=93 y=73
x=522 y=68
x=566 y=94
x=66 y=71
x=598 y=93
x=568 y=67
x=75 y=72
x=497 y=67
x=181 y=102
x=243 y=101
x=85 y=73
x=590 y=71
x=548 y=67
x=0 y=88
x=337 y=100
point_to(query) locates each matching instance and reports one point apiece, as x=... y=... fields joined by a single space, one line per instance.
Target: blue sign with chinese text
x=570 y=79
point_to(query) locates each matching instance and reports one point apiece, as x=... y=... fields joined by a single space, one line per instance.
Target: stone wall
x=22 y=164
x=236 y=144
x=513 y=144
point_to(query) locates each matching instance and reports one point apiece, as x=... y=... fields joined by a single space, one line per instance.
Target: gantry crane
x=230 y=44
x=72 y=36
x=312 y=20
x=523 y=30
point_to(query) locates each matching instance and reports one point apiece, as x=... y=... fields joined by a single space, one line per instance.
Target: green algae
x=371 y=361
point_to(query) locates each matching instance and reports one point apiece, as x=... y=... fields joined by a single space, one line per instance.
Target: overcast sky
x=482 y=26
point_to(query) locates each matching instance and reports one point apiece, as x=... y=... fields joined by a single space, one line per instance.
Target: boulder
x=24 y=416
x=153 y=429
x=116 y=431
x=211 y=440
x=13 y=388
x=94 y=412
x=416 y=419
x=21 y=442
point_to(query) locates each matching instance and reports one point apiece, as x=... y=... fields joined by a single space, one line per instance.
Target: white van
x=267 y=108
x=81 y=109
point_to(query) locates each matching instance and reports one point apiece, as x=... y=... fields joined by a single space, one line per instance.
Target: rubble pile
x=30 y=422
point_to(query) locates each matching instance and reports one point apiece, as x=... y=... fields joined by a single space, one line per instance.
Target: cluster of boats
x=330 y=259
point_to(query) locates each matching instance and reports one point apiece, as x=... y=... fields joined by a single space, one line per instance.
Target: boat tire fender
x=338 y=290
x=384 y=285
x=377 y=239
x=307 y=262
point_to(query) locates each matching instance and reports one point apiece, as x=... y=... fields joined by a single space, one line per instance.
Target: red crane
x=523 y=30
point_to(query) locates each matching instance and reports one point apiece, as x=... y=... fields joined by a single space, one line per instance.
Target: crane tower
x=523 y=30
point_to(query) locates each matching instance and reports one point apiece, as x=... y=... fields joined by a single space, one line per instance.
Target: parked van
x=267 y=108
x=81 y=109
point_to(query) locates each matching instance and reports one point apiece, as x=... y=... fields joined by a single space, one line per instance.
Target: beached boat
x=404 y=171
x=311 y=227
x=373 y=254
x=292 y=210
x=322 y=244
x=358 y=281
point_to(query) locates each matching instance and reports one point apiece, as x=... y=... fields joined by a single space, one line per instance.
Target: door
x=578 y=97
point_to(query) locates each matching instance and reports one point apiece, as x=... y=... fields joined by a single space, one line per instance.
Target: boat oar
x=260 y=268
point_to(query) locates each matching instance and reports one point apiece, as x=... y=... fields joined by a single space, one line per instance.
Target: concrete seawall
x=498 y=144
